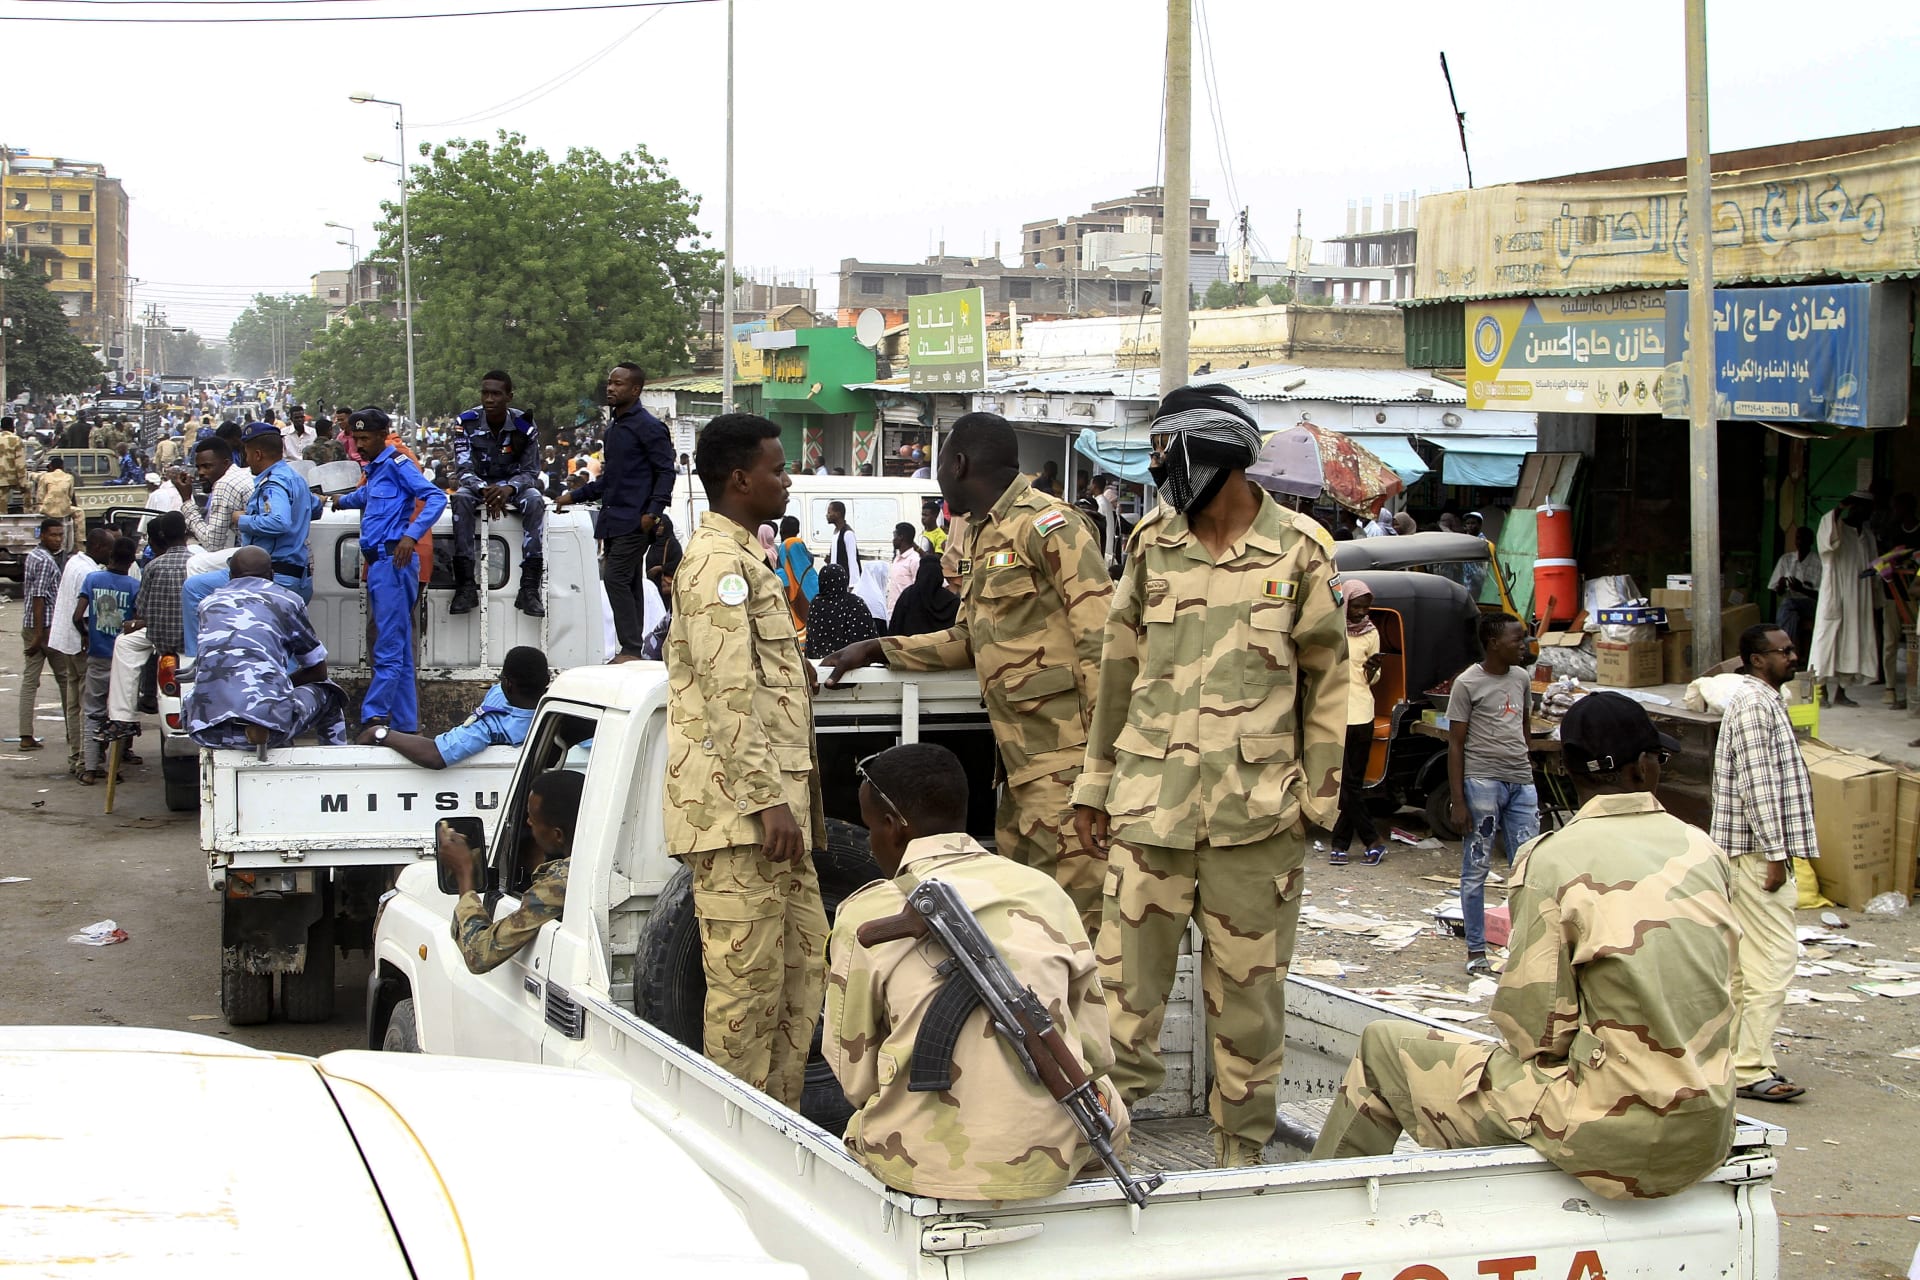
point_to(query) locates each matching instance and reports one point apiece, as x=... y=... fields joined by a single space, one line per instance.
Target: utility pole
x=726 y=302
x=1177 y=198
x=1703 y=439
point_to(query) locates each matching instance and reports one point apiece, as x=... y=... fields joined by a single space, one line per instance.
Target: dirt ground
x=1848 y=1176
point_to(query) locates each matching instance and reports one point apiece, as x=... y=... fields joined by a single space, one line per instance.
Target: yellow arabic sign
x=1855 y=214
x=1597 y=353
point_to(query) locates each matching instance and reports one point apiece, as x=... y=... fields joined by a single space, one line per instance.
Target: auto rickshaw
x=1428 y=551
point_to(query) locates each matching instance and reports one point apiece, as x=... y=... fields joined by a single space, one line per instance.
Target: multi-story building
x=1058 y=243
x=372 y=285
x=1041 y=293
x=70 y=218
x=1389 y=248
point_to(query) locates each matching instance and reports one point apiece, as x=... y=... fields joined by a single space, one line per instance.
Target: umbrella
x=1306 y=461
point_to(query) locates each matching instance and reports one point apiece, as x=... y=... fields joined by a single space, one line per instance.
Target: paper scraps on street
x=1388 y=935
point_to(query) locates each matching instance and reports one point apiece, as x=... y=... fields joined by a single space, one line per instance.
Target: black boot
x=466 y=597
x=528 y=601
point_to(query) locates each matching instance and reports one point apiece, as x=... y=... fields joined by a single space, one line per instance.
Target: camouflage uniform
x=998 y=1135
x=13 y=467
x=252 y=633
x=483 y=457
x=1220 y=724
x=1615 y=1057
x=323 y=451
x=56 y=494
x=486 y=943
x=1033 y=597
x=740 y=740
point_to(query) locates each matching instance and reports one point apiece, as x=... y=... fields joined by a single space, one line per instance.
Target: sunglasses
x=860 y=771
x=1783 y=649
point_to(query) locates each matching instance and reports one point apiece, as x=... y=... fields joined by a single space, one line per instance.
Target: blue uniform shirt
x=495 y=724
x=482 y=458
x=386 y=501
x=277 y=515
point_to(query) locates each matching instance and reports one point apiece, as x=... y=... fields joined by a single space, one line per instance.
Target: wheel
x=180 y=776
x=307 y=996
x=403 y=1033
x=671 y=987
x=245 y=998
x=1440 y=812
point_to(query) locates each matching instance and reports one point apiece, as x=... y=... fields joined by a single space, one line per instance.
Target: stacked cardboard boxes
x=1676 y=646
x=1855 y=811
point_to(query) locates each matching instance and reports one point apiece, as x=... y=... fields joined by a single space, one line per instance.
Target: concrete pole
x=1177 y=197
x=406 y=257
x=1703 y=453
x=726 y=285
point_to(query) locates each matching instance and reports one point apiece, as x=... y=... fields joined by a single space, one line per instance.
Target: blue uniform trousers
x=392 y=693
x=533 y=522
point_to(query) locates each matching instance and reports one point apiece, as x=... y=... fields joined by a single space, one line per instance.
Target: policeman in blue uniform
x=253 y=632
x=389 y=532
x=275 y=519
x=496 y=451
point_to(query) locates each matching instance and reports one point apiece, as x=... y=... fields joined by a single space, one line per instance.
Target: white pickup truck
x=614 y=987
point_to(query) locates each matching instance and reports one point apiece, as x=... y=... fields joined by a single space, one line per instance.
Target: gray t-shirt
x=1495 y=709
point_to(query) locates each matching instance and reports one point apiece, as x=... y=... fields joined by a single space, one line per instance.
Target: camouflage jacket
x=1614 y=1007
x=13 y=461
x=740 y=709
x=1033 y=596
x=997 y=1135
x=323 y=451
x=56 y=493
x=486 y=943
x=1222 y=713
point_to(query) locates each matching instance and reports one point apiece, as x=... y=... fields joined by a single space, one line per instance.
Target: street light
x=406 y=246
x=353 y=270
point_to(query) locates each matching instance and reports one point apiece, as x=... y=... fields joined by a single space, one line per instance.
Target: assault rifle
x=978 y=975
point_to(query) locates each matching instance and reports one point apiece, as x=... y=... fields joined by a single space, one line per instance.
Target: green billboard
x=947 y=341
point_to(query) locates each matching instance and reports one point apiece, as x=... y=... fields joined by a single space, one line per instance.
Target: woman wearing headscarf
x=926 y=606
x=770 y=546
x=1363 y=653
x=838 y=617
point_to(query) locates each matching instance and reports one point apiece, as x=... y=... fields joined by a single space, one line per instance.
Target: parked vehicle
x=1426 y=551
x=612 y=987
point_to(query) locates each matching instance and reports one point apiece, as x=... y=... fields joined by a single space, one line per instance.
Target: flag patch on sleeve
x=1049 y=522
x=1281 y=588
x=1000 y=560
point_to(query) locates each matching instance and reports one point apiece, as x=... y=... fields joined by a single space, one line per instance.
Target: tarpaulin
x=1487 y=460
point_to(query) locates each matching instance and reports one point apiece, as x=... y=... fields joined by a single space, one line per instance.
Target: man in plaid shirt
x=228 y=488
x=157 y=625
x=1762 y=815
x=40 y=583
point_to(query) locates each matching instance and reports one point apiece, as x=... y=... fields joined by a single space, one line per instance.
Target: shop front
x=824 y=421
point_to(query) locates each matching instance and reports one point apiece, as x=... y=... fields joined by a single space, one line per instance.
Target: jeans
x=1493 y=808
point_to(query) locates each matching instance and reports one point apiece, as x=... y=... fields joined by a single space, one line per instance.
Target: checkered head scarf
x=1214 y=434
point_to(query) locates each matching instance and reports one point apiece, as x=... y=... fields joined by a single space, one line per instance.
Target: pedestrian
x=397 y=507
x=1489 y=772
x=1363 y=660
x=905 y=566
x=634 y=491
x=837 y=617
x=1473 y=574
x=156 y=625
x=227 y=488
x=1844 y=651
x=67 y=641
x=1047 y=480
x=326 y=445
x=502 y=719
x=770 y=544
x=496 y=453
x=56 y=490
x=39 y=588
x=933 y=538
x=1903 y=531
x=664 y=556
x=13 y=466
x=845 y=548
x=1035 y=595
x=162 y=495
x=263 y=678
x=996 y=1134
x=1613 y=1017
x=1090 y=506
x=742 y=773
x=1218 y=729
x=1796 y=581
x=102 y=607
x=296 y=435
x=1763 y=818
x=797 y=573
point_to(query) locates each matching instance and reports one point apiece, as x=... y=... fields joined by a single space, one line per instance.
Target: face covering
x=1213 y=435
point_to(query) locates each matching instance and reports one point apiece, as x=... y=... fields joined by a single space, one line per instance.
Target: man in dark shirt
x=157 y=625
x=635 y=485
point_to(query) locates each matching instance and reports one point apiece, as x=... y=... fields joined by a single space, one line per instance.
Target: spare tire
x=670 y=987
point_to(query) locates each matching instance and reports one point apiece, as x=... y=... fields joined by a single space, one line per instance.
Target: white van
x=874 y=506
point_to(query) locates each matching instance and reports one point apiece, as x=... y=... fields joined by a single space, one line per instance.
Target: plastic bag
x=1807 y=886
x=1608 y=593
x=101 y=933
x=1893 y=903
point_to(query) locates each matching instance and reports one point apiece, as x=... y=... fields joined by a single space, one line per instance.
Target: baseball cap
x=374 y=418
x=259 y=431
x=1607 y=731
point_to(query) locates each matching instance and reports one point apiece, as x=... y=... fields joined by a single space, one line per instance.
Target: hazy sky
x=873 y=128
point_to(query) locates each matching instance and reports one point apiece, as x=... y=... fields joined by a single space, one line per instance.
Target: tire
x=1440 y=812
x=180 y=777
x=307 y=996
x=403 y=1031
x=671 y=987
x=245 y=998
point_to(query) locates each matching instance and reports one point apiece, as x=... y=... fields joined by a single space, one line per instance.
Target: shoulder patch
x=731 y=589
x=1050 y=521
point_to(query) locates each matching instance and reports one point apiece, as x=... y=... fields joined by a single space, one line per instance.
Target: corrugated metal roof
x=1260 y=382
x=698 y=383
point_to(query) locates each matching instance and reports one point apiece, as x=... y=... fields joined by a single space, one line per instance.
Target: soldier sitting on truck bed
x=553 y=811
x=501 y=719
x=1615 y=1019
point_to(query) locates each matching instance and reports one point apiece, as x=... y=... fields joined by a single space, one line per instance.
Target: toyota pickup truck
x=614 y=987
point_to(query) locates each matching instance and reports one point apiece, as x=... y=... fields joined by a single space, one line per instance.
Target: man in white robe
x=1844 y=651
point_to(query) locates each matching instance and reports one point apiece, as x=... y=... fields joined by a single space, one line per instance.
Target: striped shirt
x=215 y=531
x=40 y=581
x=1762 y=797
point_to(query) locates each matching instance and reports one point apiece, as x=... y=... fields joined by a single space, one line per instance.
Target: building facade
x=70 y=218
x=1055 y=243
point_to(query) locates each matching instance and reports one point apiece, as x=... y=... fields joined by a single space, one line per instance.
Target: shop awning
x=1120 y=451
x=1490 y=461
x=1397 y=452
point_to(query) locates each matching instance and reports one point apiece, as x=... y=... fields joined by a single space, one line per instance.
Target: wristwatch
x=380 y=734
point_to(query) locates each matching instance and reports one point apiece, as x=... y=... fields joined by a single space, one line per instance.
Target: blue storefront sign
x=1798 y=353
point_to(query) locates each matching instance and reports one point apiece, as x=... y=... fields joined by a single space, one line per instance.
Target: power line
x=340 y=17
x=539 y=91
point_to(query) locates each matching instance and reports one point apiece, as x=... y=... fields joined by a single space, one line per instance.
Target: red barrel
x=1556 y=576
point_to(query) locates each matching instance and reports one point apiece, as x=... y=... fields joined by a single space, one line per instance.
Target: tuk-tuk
x=1427 y=551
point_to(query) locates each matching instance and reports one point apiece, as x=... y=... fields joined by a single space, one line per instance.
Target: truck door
x=513 y=1004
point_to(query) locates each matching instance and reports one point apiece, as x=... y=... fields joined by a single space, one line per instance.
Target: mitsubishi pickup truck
x=614 y=987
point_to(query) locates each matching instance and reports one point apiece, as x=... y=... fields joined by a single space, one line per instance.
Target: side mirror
x=460 y=838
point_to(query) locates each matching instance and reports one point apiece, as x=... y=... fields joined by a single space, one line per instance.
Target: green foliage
x=553 y=270
x=1221 y=295
x=272 y=332
x=359 y=360
x=178 y=353
x=43 y=356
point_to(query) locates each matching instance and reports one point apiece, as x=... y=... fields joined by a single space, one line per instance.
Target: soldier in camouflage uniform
x=1220 y=726
x=13 y=466
x=997 y=1134
x=553 y=810
x=1033 y=599
x=253 y=631
x=1614 y=1012
x=55 y=490
x=743 y=785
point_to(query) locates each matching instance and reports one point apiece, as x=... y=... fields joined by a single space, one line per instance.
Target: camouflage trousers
x=1415 y=1080
x=763 y=945
x=1034 y=827
x=1246 y=899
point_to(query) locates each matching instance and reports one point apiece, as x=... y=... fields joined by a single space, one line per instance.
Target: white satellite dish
x=870 y=327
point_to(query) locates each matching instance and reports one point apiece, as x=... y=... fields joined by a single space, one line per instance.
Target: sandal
x=1375 y=856
x=87 y=777
x=1337 y=858
x=1773 y=1088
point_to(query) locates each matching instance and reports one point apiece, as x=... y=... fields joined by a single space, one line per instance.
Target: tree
x=43 y=356
x=273 y=331
x=1222 y=295
x=553 y=270
x=179 y=353
x=357 y=361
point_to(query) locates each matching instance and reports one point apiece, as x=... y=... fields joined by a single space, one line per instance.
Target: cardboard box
x=1855 y=802
x=1906 y=831
x=1734 y=618
x=1628 y=666
x=1676 y=657
x=1679 y=582
x=1633 y=615
x=1670 y=599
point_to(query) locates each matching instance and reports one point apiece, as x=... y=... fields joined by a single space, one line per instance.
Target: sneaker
x=1337 y=858
x=1479 y=966
x=1375 y=856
